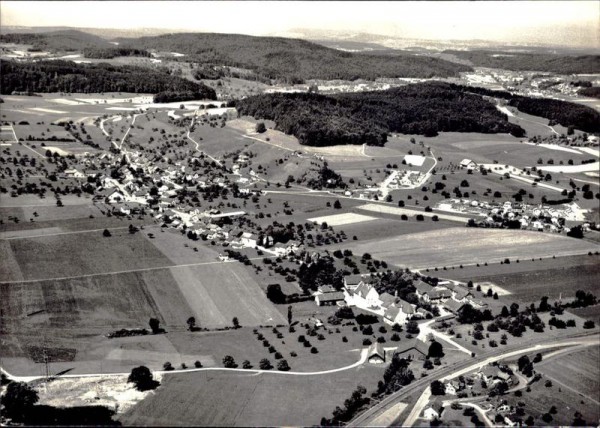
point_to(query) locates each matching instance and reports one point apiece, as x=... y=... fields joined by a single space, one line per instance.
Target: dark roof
x=330 y=297
x=422 y=287
x=439 y=294
x=355 y=279
x=461 y=293
x=453 y=306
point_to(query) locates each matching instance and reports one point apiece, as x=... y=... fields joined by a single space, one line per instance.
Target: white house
x=398 y=313
x=248 y=239
x=468 y=163
x=433 y=411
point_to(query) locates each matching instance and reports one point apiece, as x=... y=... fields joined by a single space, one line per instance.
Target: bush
x=366 y=342
x=314 y=350
x=198 y=364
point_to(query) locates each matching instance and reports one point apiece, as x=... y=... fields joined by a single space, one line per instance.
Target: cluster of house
x=490 y=374
x=358 y=291
x=531 y=217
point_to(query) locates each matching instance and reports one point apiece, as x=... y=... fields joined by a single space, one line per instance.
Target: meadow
x=441 y=247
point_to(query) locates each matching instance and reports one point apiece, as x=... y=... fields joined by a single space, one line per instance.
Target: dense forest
x=113 y=52
x=590 y=92
x=67 y=76
x=292 y=60
x=67 y=40
x=553 y=63
x=175 y=96
x=368 y=117
x=564 y=113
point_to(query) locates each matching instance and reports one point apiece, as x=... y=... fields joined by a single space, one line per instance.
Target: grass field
x=531 y=285
x=574 y=388
x=218 y=293
x=577 y=370
x=454 y=246
x=221 y=399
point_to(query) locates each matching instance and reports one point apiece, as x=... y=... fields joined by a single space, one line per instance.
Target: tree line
x=368 y=117
x=113 y=52
x=67 y=76
x=554 y=63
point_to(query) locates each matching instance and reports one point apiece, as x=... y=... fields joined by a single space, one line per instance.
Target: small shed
x=376 y=353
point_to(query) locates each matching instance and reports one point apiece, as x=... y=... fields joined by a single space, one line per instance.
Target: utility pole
x=46 y=363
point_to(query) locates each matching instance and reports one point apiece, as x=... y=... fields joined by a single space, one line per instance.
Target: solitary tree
x=236 y=322
x=154 y=325
x=289 y=314
x=142 y=378
x=18 y=400
x=106 y=233
x=437 y=388
x=337 y=204
x=436 y=350
x=191 y=322
x=265 y=364
x=229 y=362
x=260 y=127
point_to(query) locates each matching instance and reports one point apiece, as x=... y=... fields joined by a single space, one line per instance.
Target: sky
x=566 y=22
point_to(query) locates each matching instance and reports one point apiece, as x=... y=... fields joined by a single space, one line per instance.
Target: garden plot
x=342 y=219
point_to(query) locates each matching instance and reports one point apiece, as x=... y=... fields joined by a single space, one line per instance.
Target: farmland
x=219 y=399
x=429 y=249
x=188 y=238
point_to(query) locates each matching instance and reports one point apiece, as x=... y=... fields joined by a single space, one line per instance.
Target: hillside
x=367 y=118
x=561 y=64
x=291 y=59
x=67 y=76
x=67 y=40
x=556 y=111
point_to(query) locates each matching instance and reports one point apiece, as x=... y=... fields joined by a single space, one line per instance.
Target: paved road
x=361 y=361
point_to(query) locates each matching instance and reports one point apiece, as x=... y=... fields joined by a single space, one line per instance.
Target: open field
x=218 y=293
x=454 y=246
x=342 y=219
x=57 y=256
x=565 y=281
x=575 y=370
x=566 y=397
x=222 y=399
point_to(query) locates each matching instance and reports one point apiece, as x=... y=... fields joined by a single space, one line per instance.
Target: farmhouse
x=412 y=347
x=363 y=296
x=330 y=298
x=248 y=239
x=433 y=411
x=376 y=353
x=422 y=290
x=112 y=196
x=468 y=163
x=398 y=313
x=454 y=306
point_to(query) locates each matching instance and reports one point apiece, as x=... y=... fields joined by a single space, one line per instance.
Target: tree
x=246 y=364
x=236 y=322
x=106 y=233
x=142 y=378
x=191 y=322
x=337 y=205
x=274 y=294
x=229 y=362
x=289 y=314
x=283 y=366
x=437 y=388
x=436 y=350
x=154 y=325
x=18 y=400
x=265 y=364
x=260 y=127
x=412 y=327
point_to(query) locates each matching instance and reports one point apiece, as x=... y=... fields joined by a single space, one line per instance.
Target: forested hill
x=564 y=113
x=67 y=40
x=67 y=76
x=367 y=118
x=553 y=63
x=291 y=59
